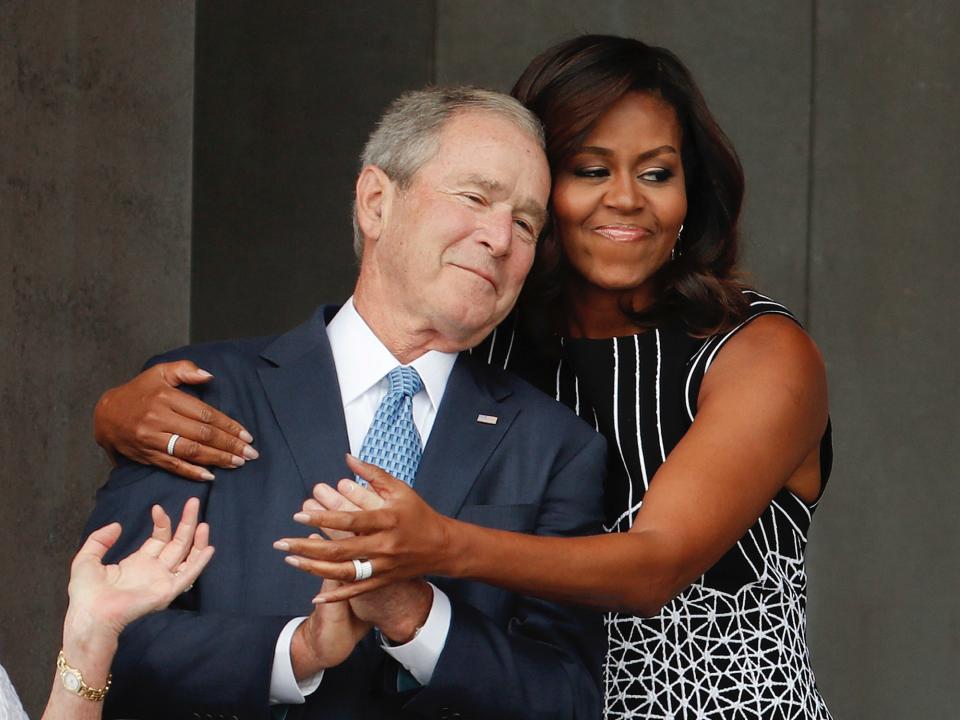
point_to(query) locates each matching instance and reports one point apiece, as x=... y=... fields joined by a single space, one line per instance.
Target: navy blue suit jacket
x=538 y=469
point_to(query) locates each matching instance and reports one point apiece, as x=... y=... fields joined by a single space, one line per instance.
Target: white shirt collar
x=362 y=360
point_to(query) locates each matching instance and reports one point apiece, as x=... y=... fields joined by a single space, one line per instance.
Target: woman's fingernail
x=237 y=461
x=301 y=517
x=281 y=545
x=290 y=560
x=249 y=453
x=203 y=373
x=206 y=475
x=246 y=437
x=319 y=600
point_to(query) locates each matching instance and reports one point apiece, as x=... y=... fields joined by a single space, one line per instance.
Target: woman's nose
x=624 y=193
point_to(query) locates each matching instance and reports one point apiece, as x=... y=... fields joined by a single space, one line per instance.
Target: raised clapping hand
x=165 y=566
x=104 y=599
x=392 y=527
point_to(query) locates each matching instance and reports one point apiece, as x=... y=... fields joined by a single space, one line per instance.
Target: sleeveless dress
x=733 y=644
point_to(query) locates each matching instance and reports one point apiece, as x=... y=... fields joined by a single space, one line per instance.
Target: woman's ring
x=172 y=443
x=362 y=569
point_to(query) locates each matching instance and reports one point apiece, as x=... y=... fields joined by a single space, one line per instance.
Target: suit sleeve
x=547 y=662
x=180 y=662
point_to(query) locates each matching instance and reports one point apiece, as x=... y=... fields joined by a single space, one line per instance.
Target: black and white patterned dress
x=733 y=644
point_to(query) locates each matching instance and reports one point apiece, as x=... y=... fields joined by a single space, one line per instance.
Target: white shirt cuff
x=420 y=655
x=284 y=688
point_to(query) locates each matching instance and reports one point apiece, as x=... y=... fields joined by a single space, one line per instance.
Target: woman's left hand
x=391 y=526
x=106 y=598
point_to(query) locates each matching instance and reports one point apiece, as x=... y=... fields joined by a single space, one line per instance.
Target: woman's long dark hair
x=569 y=86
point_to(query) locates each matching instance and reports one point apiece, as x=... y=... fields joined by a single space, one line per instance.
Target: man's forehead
x=465 y=128
x=488 y=152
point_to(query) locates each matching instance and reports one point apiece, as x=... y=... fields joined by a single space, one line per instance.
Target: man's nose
x=624 y=193
x=498 y=231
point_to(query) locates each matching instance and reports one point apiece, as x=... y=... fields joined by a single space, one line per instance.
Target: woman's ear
x=373 y=194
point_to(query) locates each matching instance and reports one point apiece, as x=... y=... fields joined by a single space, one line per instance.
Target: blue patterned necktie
x=392 y=442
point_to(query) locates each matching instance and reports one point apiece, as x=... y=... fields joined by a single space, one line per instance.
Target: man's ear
x=374 y=193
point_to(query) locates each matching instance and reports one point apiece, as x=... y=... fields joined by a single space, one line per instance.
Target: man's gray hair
x=408 y=134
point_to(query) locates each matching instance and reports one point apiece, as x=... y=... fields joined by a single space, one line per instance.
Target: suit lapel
x=302 y=388
x=459 y=446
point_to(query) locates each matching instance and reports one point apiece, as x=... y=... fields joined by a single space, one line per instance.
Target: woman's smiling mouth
x=623 y=233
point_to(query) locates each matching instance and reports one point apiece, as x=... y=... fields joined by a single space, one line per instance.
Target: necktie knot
x=405 y=380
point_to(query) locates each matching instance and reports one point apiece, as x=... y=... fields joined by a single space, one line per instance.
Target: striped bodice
x=733 y=645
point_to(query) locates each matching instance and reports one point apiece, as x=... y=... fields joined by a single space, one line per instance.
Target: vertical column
x=95 y=167
x=885 y=551
x=286 y=96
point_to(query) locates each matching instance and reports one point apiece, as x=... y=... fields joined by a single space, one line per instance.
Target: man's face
x=456 y=245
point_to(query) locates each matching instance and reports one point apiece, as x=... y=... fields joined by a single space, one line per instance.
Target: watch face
x=71 y=681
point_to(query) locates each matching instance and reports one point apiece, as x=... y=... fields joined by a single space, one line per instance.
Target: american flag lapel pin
x=487 y=419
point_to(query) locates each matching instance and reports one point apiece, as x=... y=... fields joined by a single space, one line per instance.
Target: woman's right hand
x=388 y=524
x=138 y=418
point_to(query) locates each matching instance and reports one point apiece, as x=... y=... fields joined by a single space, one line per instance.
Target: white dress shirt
x=362 y=364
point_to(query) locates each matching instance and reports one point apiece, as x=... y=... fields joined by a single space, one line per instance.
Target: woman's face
x=619 y=202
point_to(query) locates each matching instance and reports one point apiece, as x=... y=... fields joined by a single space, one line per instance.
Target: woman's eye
x=474 y=198
x=591 y=172
x=657 y=175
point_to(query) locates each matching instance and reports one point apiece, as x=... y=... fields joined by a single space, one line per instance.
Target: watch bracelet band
x=82 y=689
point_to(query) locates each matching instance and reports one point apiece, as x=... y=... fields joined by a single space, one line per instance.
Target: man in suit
x=448 y=207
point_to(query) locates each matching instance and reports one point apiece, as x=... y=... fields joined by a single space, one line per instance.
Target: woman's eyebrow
x=607 y=152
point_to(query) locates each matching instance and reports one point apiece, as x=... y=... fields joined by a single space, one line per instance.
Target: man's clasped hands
x=395 y=599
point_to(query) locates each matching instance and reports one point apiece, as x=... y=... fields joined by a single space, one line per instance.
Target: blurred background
x=158 y=158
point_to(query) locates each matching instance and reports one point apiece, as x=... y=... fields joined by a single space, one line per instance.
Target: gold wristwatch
x=73 y=681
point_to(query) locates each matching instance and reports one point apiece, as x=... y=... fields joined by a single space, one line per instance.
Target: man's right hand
x=327 y=637
x=137 y=420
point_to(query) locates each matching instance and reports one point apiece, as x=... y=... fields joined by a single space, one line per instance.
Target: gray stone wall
x=885 y=563
x=286 y=96
x=843 y=114
x=96 y=114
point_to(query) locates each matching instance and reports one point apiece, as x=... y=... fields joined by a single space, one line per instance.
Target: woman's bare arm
x=762 y=411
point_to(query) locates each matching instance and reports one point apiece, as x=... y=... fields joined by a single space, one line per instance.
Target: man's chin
x=468 y=330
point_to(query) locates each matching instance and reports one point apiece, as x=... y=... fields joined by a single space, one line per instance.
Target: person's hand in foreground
x=388 y=524
x=104 y=599
x=333 y=629
x=327 y=637
x=139 y=419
